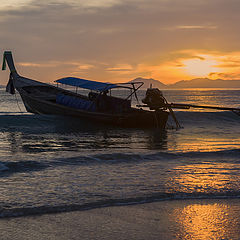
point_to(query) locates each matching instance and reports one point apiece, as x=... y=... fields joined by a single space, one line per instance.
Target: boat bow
x=15 y=80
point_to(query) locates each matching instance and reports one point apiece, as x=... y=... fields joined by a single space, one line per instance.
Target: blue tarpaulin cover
x=87 y=84
x=74 y=102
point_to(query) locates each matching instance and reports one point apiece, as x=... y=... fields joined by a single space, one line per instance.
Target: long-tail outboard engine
x=154 y=99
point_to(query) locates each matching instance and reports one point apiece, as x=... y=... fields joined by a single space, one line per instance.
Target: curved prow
x=7 y=57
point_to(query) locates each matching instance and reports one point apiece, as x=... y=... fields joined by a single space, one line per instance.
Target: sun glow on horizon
x=200 y=67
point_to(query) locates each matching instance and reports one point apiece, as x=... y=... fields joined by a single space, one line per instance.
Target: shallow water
x=54 y=164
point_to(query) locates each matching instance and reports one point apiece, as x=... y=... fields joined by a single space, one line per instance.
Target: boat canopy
x=87 y=84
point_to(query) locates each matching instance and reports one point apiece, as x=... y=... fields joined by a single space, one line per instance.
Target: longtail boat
x=98 y=107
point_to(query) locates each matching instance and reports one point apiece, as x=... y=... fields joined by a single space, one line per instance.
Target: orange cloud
x=121 y=68
x=196 y=27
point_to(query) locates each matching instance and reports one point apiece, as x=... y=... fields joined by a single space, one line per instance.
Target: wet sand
x=178 y=219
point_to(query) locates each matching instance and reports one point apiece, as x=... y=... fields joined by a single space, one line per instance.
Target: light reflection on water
x=55 y=135
x=35 y=134
x=204 y=144
x=206 y=178
x=65 y=161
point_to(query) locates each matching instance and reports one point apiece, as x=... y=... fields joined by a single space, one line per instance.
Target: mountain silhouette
x=194 y=83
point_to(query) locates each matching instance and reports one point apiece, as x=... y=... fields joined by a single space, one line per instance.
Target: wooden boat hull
x=136 y=119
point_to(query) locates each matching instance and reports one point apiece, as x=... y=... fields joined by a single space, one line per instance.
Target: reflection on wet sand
x=206 y=221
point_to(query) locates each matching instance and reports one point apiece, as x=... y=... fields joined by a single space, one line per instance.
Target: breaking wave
x=46 y=209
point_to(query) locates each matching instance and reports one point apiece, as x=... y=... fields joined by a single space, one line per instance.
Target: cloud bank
x=107 y=38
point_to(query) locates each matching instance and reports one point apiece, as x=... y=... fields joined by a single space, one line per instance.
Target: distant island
x=194 y=83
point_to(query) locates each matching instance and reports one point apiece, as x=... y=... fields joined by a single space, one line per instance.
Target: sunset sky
x=119 y=40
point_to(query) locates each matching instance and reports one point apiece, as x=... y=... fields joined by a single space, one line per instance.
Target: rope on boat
x=172 y=114
x=18 y=103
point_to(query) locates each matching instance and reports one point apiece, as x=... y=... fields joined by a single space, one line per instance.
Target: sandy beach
x=179 y=219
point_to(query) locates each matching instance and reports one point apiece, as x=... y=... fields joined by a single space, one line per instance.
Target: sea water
x=56 y=164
